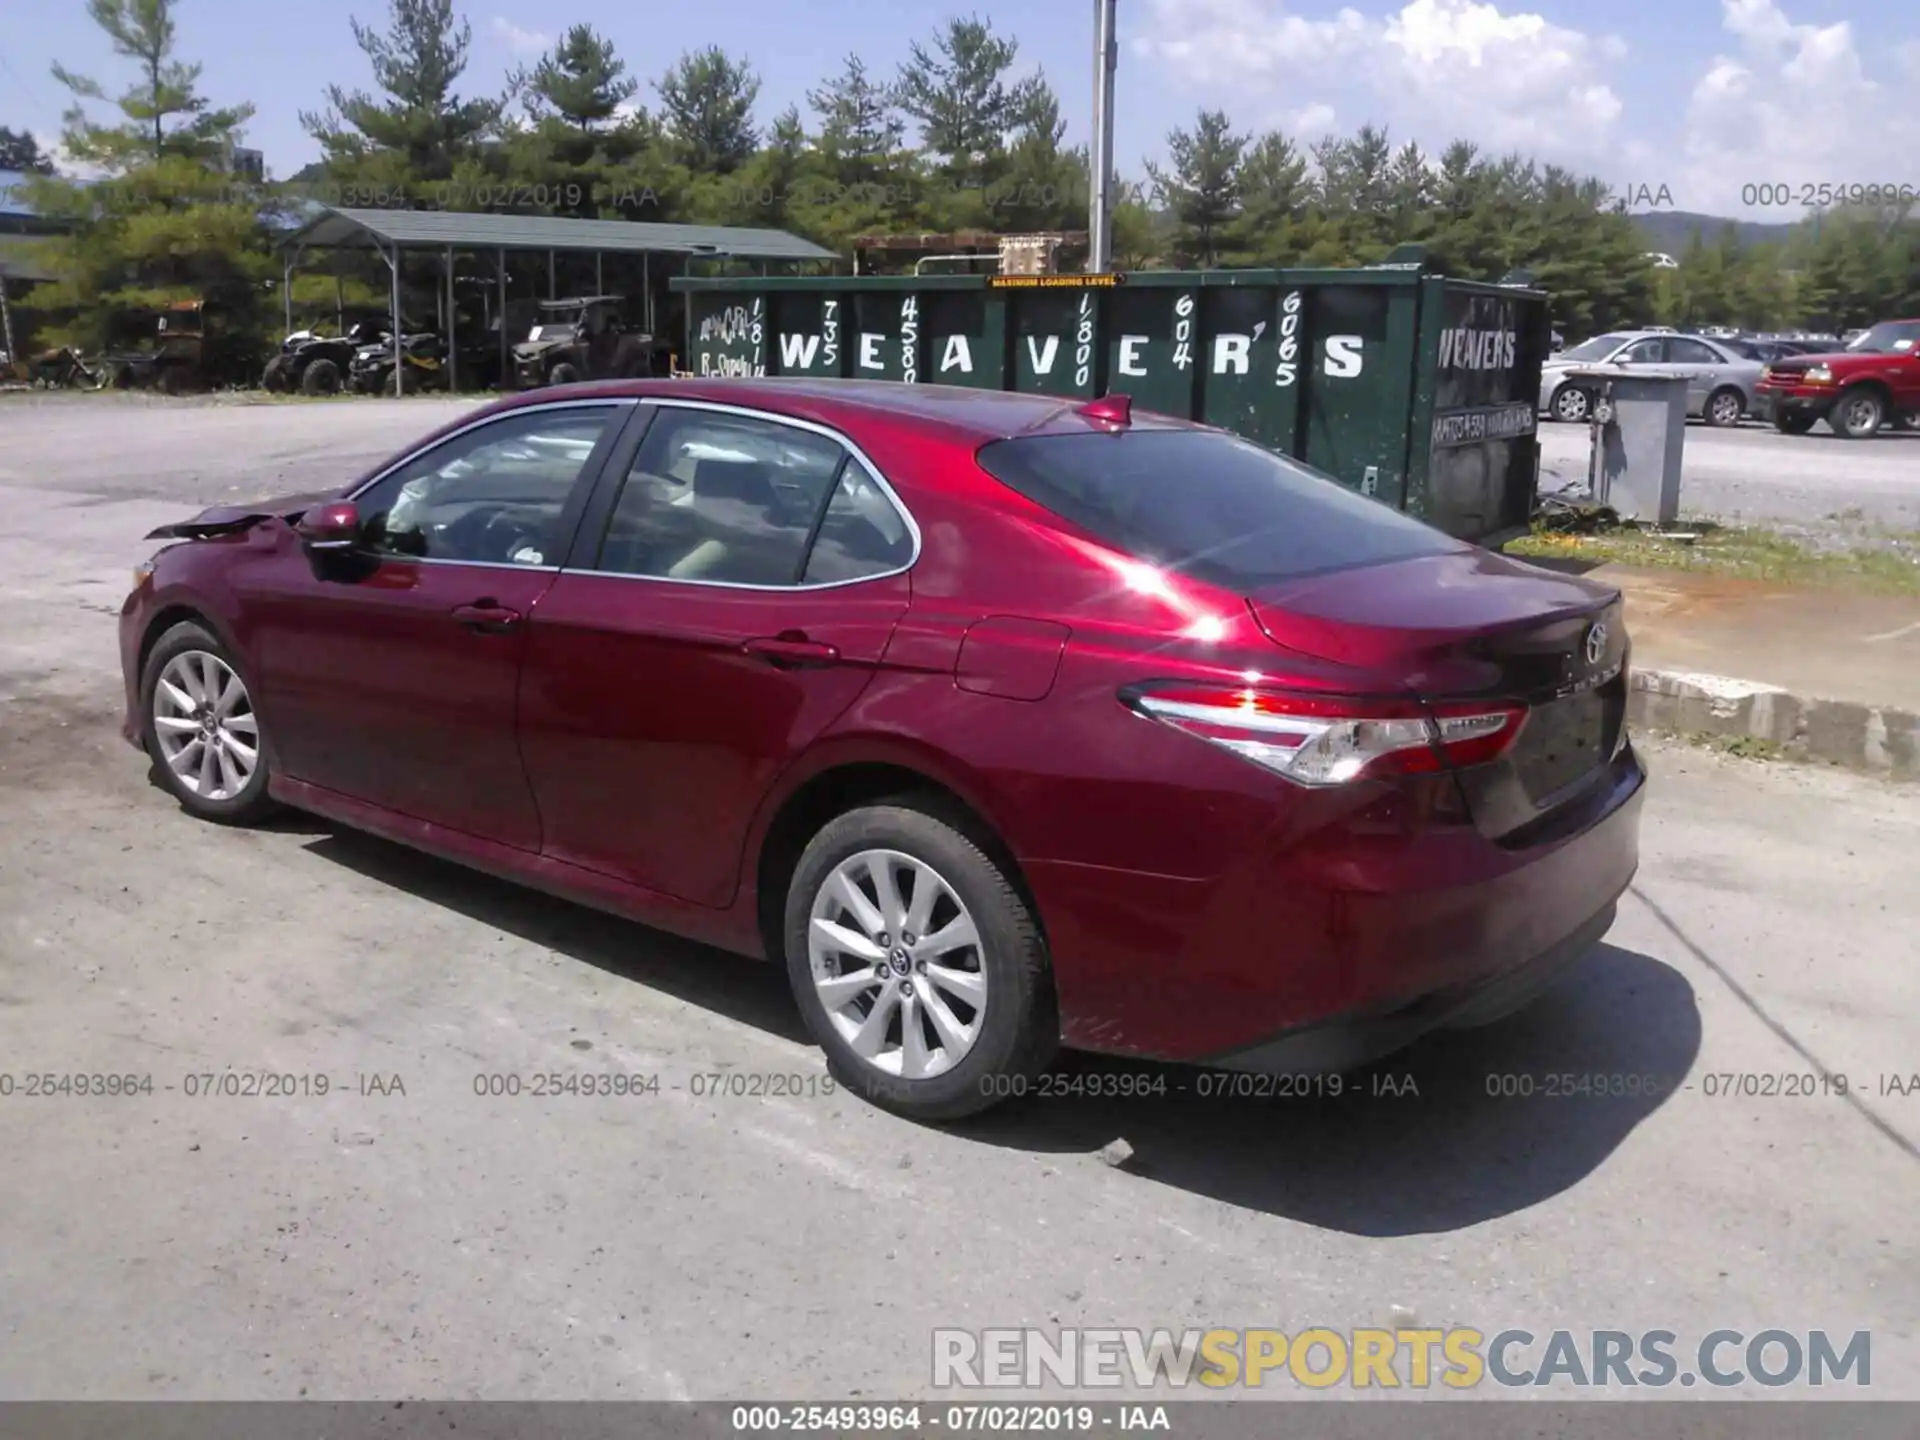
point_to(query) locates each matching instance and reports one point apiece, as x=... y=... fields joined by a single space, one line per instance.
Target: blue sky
x=1697 y=100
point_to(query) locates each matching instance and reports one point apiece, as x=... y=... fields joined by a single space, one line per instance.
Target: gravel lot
x=373 y=1243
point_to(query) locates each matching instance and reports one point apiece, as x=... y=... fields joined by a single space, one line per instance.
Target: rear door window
x=1210 y=505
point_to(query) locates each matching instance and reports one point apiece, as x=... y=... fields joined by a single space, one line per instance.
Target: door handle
x=791 y=651
x=486 y=616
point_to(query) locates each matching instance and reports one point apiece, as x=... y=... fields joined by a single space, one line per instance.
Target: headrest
x=733 y=480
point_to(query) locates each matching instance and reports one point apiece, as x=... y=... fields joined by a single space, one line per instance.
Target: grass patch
x=1595 y=535
x=1741 y=747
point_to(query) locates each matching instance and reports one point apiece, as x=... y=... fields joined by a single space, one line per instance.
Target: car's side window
x=1646 y=352
x=1692 y=352
x=495 y=494
x=862 y=534
x=723 y=498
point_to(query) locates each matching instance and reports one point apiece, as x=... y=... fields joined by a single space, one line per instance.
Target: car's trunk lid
x=1472 y=625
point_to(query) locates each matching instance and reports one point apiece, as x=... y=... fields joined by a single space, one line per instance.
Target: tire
x=274 y=378
x=1794 y=424
x=321 y=377
x=1571 y=405
x=235 y=792
x=1859 y=413
x=563 y=373
x=1013 y=1031
x=1725 y=407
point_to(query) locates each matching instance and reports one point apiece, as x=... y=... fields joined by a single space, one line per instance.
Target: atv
x=587 y=338
x=316 y=364
x=425 y=366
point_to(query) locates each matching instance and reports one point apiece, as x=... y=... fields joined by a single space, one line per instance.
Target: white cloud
x=1790 y=107
x=1434 y=70
x=521 y=42
x=1311 y=121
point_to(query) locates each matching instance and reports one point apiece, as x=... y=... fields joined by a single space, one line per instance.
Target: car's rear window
x=1223 y=510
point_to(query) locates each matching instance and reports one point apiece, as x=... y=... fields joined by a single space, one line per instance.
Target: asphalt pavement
x=414 y=1232
x=1815 y=486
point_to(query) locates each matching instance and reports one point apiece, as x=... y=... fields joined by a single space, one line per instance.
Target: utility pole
x=1106 y=59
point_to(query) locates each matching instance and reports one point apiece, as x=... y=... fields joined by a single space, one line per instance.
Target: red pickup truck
x=1858 y=391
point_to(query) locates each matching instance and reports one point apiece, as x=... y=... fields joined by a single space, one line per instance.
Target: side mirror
x=330 y=528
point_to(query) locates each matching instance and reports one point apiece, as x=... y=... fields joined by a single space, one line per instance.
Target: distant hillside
x=1670 y=230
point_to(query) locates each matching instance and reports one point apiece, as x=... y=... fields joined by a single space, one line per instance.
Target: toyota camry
x=1002 y=722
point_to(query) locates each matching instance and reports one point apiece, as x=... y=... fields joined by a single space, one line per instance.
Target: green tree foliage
x=706 y=102
x=1201 y=189
x=420 y=139
x=969 y=109
x=959 y=139
x=583 y=83
x=161 y=223
x=861 y=180
x=19 y=150
x=580 y=131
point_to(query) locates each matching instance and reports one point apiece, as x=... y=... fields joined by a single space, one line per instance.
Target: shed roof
x=333 y=227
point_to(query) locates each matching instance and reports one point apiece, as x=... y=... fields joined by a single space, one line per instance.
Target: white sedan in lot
x=1720 y=381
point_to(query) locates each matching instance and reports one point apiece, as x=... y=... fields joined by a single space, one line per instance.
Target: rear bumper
x=1354 y=1040
x=1332 y=941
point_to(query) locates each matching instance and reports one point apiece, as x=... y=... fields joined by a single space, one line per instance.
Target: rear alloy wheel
x=1571 y=404
x=1858 y=414
x=1724 y=407
x=918 y=965
x=201 y=728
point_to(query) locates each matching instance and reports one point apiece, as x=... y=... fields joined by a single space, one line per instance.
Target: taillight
x=1329 y=740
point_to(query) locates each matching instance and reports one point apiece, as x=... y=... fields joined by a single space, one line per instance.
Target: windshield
x=1220 y=509
x=1890 y=337
x=1598 y=348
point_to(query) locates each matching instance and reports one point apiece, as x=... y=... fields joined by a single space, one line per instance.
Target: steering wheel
x=505 y=534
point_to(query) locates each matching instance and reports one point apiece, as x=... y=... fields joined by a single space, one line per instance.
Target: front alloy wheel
x=896 y=963
x=202 y=730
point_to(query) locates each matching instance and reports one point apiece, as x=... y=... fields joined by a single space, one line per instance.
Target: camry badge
x=1596 y=644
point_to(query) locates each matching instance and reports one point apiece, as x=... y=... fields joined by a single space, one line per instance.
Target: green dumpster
x=1407 y=386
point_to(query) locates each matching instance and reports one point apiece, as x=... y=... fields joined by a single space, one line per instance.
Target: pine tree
x=1202 y=187
x=578 y=98
x=1275 y=192
x=967 y=107
x=859 y=178
x=707 y=103
x=163 y=223
x=860 y=125
x=582 y=82
x=421 y=138
x=1043 y=186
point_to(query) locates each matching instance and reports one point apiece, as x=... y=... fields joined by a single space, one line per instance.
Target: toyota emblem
x=1596 y=644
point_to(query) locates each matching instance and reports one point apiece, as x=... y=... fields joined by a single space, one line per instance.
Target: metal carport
x=391 y=233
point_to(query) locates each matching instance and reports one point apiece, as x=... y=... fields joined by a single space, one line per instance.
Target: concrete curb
x=1873 y=738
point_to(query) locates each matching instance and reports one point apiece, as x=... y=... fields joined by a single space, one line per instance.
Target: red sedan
x=1002 y=721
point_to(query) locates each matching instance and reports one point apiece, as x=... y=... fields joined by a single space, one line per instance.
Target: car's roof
x=958 y=413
